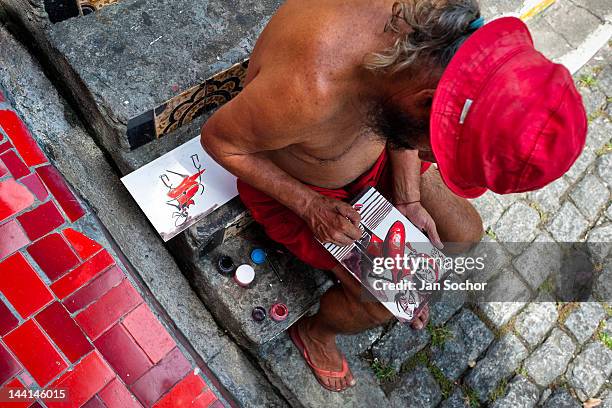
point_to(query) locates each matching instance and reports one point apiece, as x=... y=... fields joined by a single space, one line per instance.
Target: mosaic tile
x=69 y=283
x=95 y=402
x=21 y=138
x=35 y=352
x=12 y=238
x=84 y=246
x=186 y=392
x=9 y=367
x=14 y=164
x=41 y=220
x=16 y=384
x=13 y=198
x=159 y=379
x=123 y=354
x=84 y=381
x=53 y=255
x=64 y=332
x=35 y=185
x=148 y=332
x=185 y=107
x=96 y=288
x=107 y=310
x=4 y=146
x=60 y=10
x=22 y=287
x=7 y=320
x=116 y=395
x=3 y=170
x=60 y=190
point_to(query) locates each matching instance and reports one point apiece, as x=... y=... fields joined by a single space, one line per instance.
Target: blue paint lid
x=258 y=256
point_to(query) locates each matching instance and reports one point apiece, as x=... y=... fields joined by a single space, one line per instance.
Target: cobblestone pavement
x=70 y=318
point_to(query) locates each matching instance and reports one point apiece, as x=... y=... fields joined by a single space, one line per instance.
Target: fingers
x=349 y=212
x=432 y=232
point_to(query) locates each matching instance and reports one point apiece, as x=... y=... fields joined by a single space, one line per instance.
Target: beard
x=397 y=128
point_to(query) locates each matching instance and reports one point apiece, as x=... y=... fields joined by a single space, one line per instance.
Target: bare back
x=309 y=59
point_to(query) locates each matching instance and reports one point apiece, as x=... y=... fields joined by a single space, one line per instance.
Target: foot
x=324 y=355
x=420 y=320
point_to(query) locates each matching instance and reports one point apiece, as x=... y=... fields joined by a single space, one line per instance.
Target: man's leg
x=343 y=309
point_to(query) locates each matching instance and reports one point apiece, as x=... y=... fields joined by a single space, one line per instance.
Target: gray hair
x=435 y=30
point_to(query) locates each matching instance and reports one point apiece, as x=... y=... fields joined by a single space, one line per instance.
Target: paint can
x=258 y=314
x=244 y=276
x=258 y=256
x=225 y=265
x=279 y=312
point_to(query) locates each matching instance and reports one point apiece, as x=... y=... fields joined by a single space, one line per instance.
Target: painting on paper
x=180 y=188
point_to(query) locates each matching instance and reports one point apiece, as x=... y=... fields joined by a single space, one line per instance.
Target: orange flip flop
x=296 y=339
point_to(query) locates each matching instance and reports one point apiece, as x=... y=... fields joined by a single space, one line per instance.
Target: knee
x=468 y=234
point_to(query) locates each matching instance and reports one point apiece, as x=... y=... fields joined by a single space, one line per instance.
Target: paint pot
x=258 y=314
x=258 y=256
x=279 y=312
x=245 y=274
x=225 y=265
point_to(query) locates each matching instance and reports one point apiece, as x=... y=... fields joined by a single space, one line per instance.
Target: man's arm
x=406 y=170
x=237 y=137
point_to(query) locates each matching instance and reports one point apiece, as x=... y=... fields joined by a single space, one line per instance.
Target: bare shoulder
x=275 y=110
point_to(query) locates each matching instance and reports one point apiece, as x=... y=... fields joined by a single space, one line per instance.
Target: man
x=344 y=94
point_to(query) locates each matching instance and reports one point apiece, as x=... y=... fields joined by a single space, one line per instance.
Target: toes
x=329 y=382
x=338 y=384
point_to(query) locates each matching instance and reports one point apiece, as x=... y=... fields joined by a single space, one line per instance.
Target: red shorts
x=285 y=227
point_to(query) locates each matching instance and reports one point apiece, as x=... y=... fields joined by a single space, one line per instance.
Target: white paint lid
x=244 y=275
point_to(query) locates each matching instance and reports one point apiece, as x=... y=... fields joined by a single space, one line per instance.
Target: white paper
x=180 y=188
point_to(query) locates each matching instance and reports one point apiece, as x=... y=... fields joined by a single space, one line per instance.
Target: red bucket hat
x=504 y=117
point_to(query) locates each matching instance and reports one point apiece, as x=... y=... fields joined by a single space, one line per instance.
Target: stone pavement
x=71 y=317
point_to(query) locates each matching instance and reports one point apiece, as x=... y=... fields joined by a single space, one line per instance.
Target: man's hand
x=332 y=220
x=422 y=220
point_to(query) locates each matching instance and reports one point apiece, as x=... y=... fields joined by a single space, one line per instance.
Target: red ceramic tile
x=35 y=185
x=21 y=138
x=60 y=190
x=115 y=395
x=123 y=354
x=12 y=238
x=148 y=332
x=5 y=146
x=216 y=404
x=26 y=379
x=64 y=332
x=7 y=320
x=21 y=286
x=82 y=244
x=207 y=399
x=159 y=379
x=13 y=198
x=15 y=384
x=41 y=220
x=82 y=274
x=184 y=393
x=92 y=292
x=102 y=314
x=86 y=379
x=53 y=255
x=35 y=352
x=95 y=402
x=9 y=367
x=3 y=170
x=13 y=163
